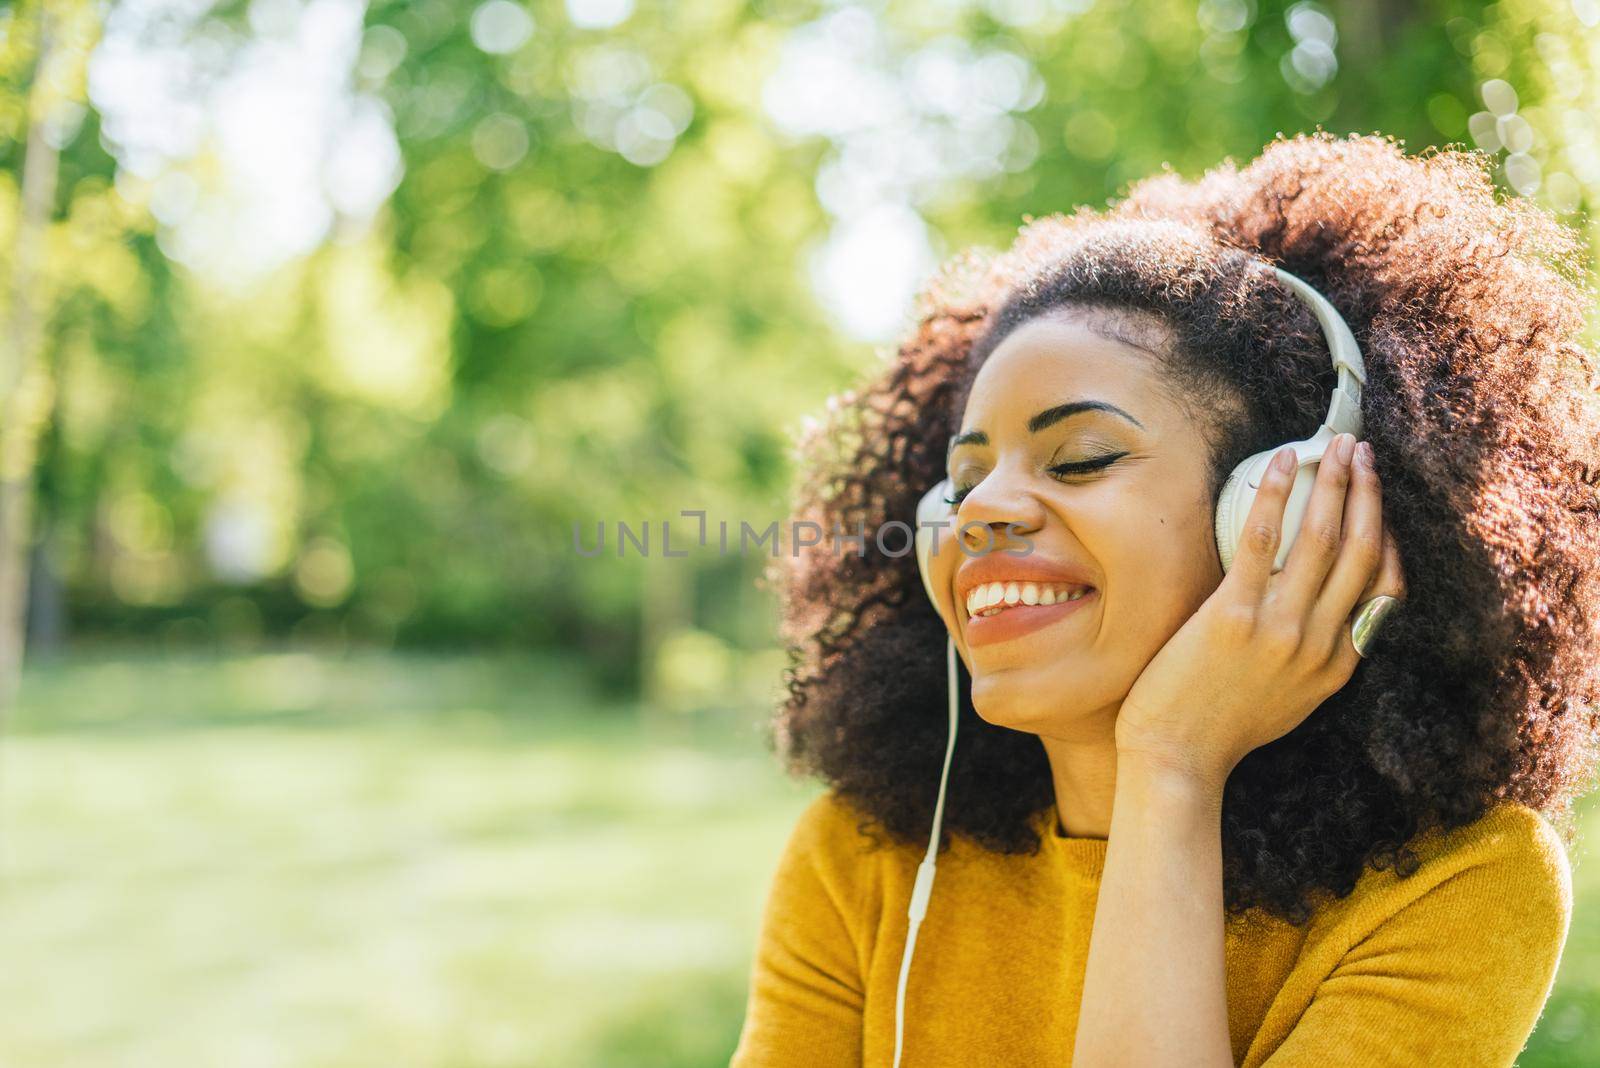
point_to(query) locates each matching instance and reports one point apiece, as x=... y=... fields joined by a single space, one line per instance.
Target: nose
x=1000 y=508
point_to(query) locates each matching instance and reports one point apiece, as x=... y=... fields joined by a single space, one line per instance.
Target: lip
x=1005 y=566
x=1022 y=619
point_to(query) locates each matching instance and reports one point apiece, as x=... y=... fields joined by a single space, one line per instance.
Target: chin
x=1039 y=702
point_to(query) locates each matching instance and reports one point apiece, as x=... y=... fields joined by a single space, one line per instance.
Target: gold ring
x=1367 y=620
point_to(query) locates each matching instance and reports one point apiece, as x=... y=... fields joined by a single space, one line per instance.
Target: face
x=1112 y=500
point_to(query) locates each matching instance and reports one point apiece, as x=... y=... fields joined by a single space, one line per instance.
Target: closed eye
x=1064 y=470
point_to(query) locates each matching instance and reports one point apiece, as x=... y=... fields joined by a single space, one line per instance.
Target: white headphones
x=934 y=512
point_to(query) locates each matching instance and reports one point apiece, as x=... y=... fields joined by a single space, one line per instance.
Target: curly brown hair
x=1481 y=408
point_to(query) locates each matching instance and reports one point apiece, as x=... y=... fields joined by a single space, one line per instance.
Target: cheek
x=942 y=570
x=1158 y=574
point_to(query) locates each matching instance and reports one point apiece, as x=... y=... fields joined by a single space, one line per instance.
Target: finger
x=1360 y=550
x=1321 y=535
x=1258 y=542
x=1389 y=580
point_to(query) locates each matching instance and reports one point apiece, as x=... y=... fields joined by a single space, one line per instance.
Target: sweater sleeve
x=1457 y=976
x=806 y=989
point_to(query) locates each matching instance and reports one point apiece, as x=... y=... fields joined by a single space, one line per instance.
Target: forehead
x=1071 y=353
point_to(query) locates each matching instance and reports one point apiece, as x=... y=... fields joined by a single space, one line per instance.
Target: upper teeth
x=998 y=596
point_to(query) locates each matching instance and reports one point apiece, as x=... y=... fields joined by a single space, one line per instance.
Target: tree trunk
x=46 y=630
x=25 y=389
x=666 y=606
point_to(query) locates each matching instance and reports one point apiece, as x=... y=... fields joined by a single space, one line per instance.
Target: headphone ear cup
x=1239 y=494
x=1233 y=505
x=933 y=508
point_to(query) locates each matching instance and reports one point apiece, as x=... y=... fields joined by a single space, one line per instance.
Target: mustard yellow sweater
x=1448 y=966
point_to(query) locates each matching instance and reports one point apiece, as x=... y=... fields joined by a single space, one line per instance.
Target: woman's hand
x=1266 y=649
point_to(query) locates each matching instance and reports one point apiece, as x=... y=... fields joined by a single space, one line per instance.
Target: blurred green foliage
x=601 y=278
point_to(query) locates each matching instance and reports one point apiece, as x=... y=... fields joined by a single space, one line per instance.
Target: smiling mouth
x=993 y=598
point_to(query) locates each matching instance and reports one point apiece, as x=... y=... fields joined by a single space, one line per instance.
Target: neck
x=1084 y=771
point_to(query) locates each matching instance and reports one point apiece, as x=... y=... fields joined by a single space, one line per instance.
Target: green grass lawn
x=388 y=861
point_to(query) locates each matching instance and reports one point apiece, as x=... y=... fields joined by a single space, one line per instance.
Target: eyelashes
x=1066 y=470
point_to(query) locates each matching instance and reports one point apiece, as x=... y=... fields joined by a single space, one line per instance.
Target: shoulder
x=833 y=822
x=808 y=980
x=1451 y=963
x=832 y=842
x=1508 y=868
x=1511 y=846
x=829 y=883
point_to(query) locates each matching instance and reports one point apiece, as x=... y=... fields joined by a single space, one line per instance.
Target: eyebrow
x=1048 y=417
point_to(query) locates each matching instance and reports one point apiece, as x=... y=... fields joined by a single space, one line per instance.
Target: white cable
x=923 y=887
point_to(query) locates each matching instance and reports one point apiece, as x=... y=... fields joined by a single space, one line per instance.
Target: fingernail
x=1347 y=446
x=1364 y=453
x=1284 y=461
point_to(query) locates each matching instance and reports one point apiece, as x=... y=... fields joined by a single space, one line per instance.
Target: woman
x=1187 y=822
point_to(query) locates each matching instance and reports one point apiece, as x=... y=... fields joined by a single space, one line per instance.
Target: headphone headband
x=1344 y=410
x=1341 y=342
